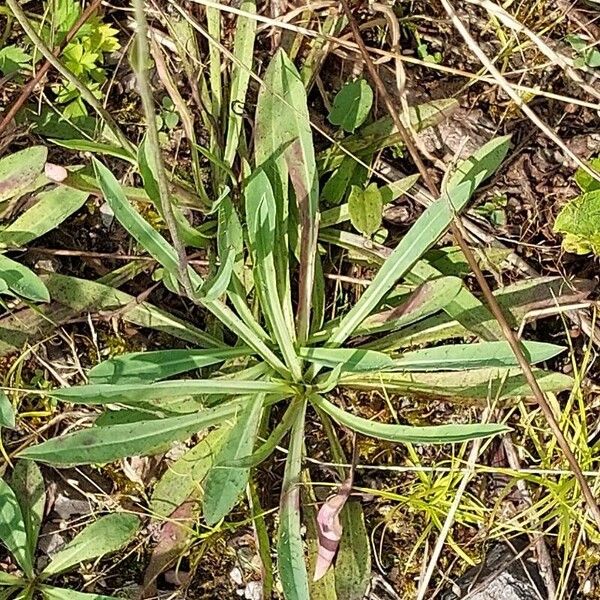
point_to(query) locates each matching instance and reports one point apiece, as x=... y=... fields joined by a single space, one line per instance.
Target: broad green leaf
x=56 y=593
x=13 y=59
x=176 y=388
x=428 y=228
x=106 y=535
x=21 y=281
x=350 y=359
x=225 y=483
x=353 y=562
x=473 y=356
x=146 y=367
x=290 y=548
x=243 y=52
x=184 y=478
x=50 y=210
x=433 y=434
x=482 y=384
x=585 y=181
x=579 y=222
x=28 y=484
x=19 y=170
x=7 y=412
x=105 y=444
x=394 y=190
x=351 y=105
x=260 y=215
x=366 y=209
x=13 y=532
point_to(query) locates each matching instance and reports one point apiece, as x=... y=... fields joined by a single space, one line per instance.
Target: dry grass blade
x=457 y=230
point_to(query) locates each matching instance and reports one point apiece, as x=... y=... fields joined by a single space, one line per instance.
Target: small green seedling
x=588 y=54
x=21 y=513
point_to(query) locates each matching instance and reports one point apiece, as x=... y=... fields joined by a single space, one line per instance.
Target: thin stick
x=86 y=94
x=28 y=89
x=457 y=230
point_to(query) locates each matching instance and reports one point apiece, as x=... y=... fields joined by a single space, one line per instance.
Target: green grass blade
x=147 y=367
x=435 y=434
x=106 y=535
x=225 y=483
x=243 y=49
x=290 y=548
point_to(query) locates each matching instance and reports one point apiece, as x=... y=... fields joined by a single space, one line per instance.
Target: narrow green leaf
x=473 y=356
x=434 y=434
x=19 y=170
x=260 y=215
x=290 y=548
x=428 y=228
x=7 y=579
x=184 y=478
x=7 y=412
x=22 y=281
x=482 y=384
x=50 y=210
x=243 y=52
x=353 y=561
x=105 y=444
x=82 y=145
x=28 y=484
x=108 y=534
x=225 y=484
x=176 y=388
x=13 y=532
x=55 y=593
x=147 y=367
x=350 y=359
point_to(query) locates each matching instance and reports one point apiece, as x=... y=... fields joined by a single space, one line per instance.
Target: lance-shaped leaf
x=433 y=434
x=7 y=412
x=350 y=359
x=56 y=593
x=21 y=281
x=13 y=532
x=19 y=170
x=226 y=482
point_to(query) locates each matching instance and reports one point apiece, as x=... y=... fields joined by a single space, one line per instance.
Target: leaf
x=366 y=209
x=108 y=534
x=350 y=359
x=7 y=412
x=224 y=484
x=22 y=281
x=494 y=382
x=105 y=393
x=329 y=528
x=13 y=59
x=290 y=549
x=184 y=478
x=13 y=532
x=431 y=434
x=351 y=105
x=50 y=210
x=243 y=50
x=105 y=444
x=19 y=170
x=147 y=367
x=173 y=538
x=428 y=228
x=7 y=579
x=579 y=221
x=83 y=145
x=353 y=562
x=585 y=181
x=55 y=593
x=28 y=484
x=473 y=356
x=260 y=215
